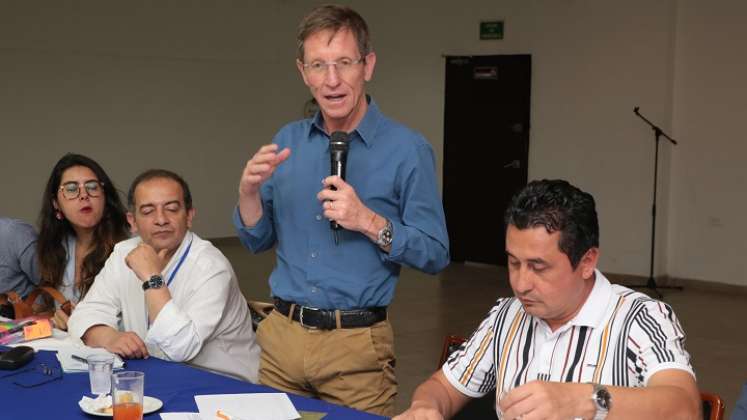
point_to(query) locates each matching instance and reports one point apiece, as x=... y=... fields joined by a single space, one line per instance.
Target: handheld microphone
x=338 y=156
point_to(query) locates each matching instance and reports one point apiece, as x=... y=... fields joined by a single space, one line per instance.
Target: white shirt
x=619 y=337
x=206 y=323
x=67 y=287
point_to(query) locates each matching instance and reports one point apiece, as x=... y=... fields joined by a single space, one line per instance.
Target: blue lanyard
x=179 y=264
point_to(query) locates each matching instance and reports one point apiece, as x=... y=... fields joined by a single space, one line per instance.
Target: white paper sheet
x=180 y=416
x=65 y=356
x=263 y=406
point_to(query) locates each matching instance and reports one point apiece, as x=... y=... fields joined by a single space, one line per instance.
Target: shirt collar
x=592 y=313
x=179 y=251
x=366 y=128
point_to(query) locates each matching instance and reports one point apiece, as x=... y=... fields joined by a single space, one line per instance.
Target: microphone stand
x=651 y=282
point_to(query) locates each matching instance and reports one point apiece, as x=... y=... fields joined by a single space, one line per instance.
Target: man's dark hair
x=334 y=18
x=557 y=206
x=159 y=173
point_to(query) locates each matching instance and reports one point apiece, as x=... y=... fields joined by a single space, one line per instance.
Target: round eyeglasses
x=71 y=190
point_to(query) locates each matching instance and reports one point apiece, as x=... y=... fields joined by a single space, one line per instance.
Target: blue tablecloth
x=175 y=384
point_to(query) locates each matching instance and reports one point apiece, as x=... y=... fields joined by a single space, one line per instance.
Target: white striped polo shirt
x=619 y=337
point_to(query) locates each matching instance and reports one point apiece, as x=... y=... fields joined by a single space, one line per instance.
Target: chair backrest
x=259 y=311
x=451 y=343
x=713 y=406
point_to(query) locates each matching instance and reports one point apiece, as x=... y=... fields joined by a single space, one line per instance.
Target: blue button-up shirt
x=392 y=170
x=19 y=269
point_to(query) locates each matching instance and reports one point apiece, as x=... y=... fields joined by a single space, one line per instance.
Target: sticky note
x=40 y=329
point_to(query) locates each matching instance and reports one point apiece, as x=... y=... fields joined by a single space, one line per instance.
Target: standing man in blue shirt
x=329 y=336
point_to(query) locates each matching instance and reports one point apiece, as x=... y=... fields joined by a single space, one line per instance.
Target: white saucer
x=150 y=404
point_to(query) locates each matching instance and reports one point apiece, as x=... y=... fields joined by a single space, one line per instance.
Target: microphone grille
x=338 y=140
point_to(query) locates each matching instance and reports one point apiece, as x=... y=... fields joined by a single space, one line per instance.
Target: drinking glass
x=100 y=372
x=127 y=395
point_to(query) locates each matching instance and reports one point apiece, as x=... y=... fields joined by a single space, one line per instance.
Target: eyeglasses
x=48 y=374
x=343 y=66
x=71 y=190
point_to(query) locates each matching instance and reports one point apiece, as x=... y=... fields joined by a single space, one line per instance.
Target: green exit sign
x=491 y=30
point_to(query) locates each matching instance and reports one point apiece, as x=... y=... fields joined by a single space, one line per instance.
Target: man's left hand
x=145 y=261
x=548 y=400
x=343 y=205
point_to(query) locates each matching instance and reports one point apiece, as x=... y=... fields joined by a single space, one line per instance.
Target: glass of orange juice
x=127 y=395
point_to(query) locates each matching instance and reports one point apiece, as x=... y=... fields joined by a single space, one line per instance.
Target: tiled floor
x=427 y=308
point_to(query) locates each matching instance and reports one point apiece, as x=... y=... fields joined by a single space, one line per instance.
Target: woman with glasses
x=81 y=219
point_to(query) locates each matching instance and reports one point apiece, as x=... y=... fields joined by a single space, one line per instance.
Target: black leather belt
x=326 y=319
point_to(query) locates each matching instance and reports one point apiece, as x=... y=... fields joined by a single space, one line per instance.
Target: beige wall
x=709 y=181
x=197 y=89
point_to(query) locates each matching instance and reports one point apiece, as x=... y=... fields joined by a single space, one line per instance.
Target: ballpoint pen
x=79 y=358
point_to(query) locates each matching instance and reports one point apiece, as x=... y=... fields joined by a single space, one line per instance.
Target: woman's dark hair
x=112 y=228
x=557 y=206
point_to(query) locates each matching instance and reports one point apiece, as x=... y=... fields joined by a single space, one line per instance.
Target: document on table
x=180 y=416
x=264 y=406
x=70 y=364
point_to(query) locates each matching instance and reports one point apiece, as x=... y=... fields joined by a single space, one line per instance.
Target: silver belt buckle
x=300 y=318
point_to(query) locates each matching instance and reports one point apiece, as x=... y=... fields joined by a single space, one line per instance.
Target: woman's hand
x=62 y=314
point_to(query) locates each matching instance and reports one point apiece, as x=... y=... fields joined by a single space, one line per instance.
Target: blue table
x=175 y=384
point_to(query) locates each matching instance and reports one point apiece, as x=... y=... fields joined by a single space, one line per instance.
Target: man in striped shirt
x=569 y=344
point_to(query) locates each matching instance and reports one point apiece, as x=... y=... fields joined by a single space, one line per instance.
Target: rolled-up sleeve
x=100 y=306
x=180 y=331
x=261 y=236
x=420 y=240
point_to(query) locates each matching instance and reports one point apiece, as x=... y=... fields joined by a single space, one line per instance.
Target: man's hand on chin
x=145 y=262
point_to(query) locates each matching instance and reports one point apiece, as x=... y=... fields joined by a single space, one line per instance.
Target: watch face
x=603 y=398
x=154 y=282
x=385 y=235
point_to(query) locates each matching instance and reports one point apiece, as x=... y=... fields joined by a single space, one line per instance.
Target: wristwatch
x=602 y=400
x=154 y=282
x=384 y=238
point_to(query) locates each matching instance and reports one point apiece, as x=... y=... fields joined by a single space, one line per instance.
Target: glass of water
x=100 y=372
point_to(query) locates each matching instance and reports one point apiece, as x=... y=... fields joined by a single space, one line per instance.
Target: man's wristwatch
x=602 y=400
x=384 y=238
x=154 y=282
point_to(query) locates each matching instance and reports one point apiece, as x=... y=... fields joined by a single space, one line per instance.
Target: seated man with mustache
x=177 y=294
x=569 y=344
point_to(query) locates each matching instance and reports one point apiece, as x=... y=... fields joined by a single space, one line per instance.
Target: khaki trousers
x=352 y=367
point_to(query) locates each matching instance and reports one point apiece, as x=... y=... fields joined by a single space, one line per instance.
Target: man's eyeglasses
x=36 y=376
x=71 y=190
x=343 y=66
